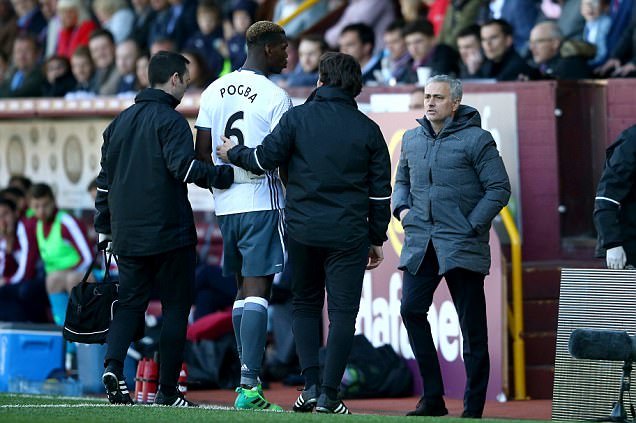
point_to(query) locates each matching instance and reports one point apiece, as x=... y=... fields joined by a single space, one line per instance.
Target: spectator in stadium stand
x=302 y=22
x=63 y=246
x=420 y=43
x=18 y=197
x=520 y=14
x=570 y=22
x=396 y=59
x=200 y=75
x=8 y=27
x=436 y=13
x=337 y=213
x=49 y=35
x=144 y=17
x=177 y=22
x=142 y=71
x=459 y=15
x=357 y=40
x=597 y=27
x=23 y=183
x=162 y=44
x=622 y=61
x=83 y=72
x=548 y=54
x=377 y=14
x=27 y=79
x=305 y=74
x=126 y=54
x=502 y=62
x=416 y=99
x=623 y=15
x=115 y=16
x=76 y=26
x=450 y=184
x=242 y=16
x=59 y=78
x=208 y=40
x=30 y=18
x=470 y=53
x=412 y=10
x=159 y=7
x=102 y=48
x=615 y=203
x=22 y=293
x=4 y=65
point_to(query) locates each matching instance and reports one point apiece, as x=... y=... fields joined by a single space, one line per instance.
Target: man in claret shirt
x=22 y=294
x=63 y=246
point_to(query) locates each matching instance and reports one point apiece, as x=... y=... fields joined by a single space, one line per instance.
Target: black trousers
x=340 y=271
x=173 y=271
x=467 y=291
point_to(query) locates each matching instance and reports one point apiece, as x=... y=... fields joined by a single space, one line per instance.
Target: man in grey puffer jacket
x=450 y=184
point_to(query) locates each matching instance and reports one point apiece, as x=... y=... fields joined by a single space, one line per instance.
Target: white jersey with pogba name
x=244 y=106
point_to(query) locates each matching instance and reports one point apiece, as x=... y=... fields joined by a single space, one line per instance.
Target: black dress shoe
x=428 y=408
x=471 y=415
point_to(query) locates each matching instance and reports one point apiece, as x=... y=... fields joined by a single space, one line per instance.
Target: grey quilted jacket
x=454 y=184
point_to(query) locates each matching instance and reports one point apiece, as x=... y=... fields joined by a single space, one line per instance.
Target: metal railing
x=515 y=312
x=301 y=8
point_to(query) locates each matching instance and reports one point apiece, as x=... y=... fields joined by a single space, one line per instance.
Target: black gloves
x=223 y=177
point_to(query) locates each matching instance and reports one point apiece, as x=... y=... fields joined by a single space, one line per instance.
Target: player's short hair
x=315 y=38
x=340 y=70
x=163 y=65
x=42 y=190
x=470 y=30
x=8 y=203
x=264 y=32
x=101 y=32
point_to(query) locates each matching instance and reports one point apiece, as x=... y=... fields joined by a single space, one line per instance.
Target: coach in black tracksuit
x=337 y=212
x=147 y=161
x=615 y=203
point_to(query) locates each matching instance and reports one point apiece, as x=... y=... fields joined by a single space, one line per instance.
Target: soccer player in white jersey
x=246 y=106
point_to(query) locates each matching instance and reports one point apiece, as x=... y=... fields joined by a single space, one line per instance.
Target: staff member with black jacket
x=147 y=159
x=615 y=203
x=337 y=213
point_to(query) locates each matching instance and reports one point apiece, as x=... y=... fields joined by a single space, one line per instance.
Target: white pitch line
x=86 y=405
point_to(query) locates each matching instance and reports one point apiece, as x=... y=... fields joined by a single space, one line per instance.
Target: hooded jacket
x=454 y=184
x=147 y=161
x=339 y=171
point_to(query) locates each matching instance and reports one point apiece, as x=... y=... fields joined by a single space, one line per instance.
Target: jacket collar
x=331 y=93
x=157 y=96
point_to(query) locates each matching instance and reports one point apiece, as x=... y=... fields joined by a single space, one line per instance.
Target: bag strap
x=90 y=268
x=108 y=258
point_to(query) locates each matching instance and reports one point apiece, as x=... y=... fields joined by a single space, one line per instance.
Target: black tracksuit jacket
x=148 y=159
x=615 y=202
x=339 y=171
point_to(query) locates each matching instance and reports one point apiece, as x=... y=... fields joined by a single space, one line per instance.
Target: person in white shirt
x=246 y=106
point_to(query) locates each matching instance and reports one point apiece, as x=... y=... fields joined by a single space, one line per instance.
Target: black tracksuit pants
x=341 y=272
x=467 y=291
x=174 y=272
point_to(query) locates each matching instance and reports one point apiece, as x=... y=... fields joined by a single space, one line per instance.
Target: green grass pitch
x=47 y=409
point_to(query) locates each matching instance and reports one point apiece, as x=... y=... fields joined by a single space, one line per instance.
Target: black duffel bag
x=91 y=307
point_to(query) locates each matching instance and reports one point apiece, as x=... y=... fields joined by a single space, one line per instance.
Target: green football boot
x=252 y=399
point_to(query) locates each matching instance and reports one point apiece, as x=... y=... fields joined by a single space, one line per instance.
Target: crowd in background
x=84 y=48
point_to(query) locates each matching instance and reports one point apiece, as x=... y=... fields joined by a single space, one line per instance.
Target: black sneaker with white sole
x=325 y=405
x=116 y=388
x=176 y=400
x=306 y=400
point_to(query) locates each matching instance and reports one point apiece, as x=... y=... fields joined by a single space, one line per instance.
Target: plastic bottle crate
x=29 y=352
